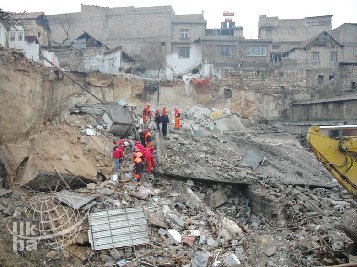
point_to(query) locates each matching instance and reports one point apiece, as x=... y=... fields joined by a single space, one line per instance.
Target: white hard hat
x=126 y=143
x=140 y=131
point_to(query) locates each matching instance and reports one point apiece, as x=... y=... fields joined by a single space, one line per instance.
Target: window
x=255 y=51
x=225 y=51
x=184 y=34
x=353 y=85
x=38 y=34
x=333 y=56
x=320 y=79
x=184 y=52
x=12 y=36
x=268 y=33
x=20 y=36
x=315 y=56
x=331 y=78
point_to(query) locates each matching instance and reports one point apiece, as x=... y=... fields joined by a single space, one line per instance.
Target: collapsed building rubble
x=279 y=208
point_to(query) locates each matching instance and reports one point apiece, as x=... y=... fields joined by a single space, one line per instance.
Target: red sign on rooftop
x=227 y=13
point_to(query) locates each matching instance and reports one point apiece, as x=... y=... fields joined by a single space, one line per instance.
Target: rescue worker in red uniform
x=118 y=156
x=139 y=146
x=177 y=119
x=148 y=138
x=138 y=169
x=149 y=159
x=138 y=154
x=146 y=114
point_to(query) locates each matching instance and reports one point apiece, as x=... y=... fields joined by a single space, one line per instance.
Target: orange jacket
x=147 y=137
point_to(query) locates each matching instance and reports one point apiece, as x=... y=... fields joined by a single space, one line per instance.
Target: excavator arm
x=336 y=148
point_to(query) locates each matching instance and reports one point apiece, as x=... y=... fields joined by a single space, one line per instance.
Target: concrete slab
x=251 y=159
x=73 y=199
x=232 y=123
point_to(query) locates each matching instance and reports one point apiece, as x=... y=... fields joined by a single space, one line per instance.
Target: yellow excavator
x=336 y=148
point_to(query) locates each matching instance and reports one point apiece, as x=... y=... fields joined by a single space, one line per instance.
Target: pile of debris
x=195 y=224
x=242 y=200
x=222 y=149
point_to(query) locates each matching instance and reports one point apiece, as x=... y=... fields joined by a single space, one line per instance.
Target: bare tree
x=154 y=57
x=64 y=24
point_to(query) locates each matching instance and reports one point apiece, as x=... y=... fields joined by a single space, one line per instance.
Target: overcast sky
x=246 y=12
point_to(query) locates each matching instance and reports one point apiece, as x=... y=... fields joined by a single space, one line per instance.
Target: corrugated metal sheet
x=118 y=228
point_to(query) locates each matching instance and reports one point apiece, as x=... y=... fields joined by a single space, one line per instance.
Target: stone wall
x=348 y=76
x=69 y=57
x=265 y=81
x=267 y=95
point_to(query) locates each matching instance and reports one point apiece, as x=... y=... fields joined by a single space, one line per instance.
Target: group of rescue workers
x=162 y=118
x=142 y=151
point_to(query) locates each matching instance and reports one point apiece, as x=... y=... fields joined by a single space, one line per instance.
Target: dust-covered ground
x=215 y=156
